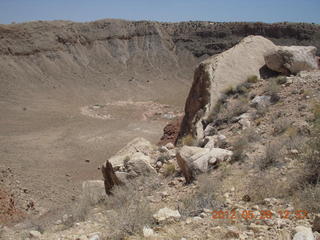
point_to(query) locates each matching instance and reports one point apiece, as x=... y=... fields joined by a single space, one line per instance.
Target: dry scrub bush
x=280 y=126
x=307 y=198
x=241 y=144
x=238 y=148
x=130 y=209
x=231 y=110
x=203 y=198
x=311 y=153
x=188 y=140
x=240 y=89
x=253 y=79
x=272 y=90
x=281 y=80
x=271 y=155
x=169 y=169
x=260 y=188
x=307 y=185
x=251 y=135
x=130 y=219
x=164 y=157
x=294 y=139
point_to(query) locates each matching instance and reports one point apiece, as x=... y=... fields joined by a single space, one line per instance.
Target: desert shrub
x=259 y=187
x=271 y=155
x=231 y=90
x=261 y=111
x=307 y=92
x=316 y=113
x=80 y=211
x=295 y=142
x=306 y=187
x=243 y=88
x=310 y=154
x=188 y=140
x=311 y=158
x=251 y=135
x=164 y=157
x=239 y=146
x=130 y=219
x=281 y=79
x=272 y=90
x=130 y=211
x=280 y=126
x=240 y=89
x=204 y=197
x=217 y=108
x=294 y=139
x=307 y=198
x=169 y=169
x=228 y=112
x=253 y=79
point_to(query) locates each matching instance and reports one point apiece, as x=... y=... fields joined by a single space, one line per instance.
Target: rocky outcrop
x=193 y=160
x=170 y=132
x=131 y=161
x=292 y=60
x=108 y=53
x=303 y=233
x=140 y=145
x=139 y=165
x=215 y=75
x=166 y=214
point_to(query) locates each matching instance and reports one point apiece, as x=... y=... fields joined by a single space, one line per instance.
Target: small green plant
x=188 y=140
x=169 y=169
x=253 y=79
x=243 y=88
x=281 y=80
x=272 y=90
x=240 y=89
x=230 y=90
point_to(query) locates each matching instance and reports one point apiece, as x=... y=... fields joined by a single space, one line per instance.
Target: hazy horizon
x=163 y=11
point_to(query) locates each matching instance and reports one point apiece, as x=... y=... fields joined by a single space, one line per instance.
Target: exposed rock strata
x=218 y=73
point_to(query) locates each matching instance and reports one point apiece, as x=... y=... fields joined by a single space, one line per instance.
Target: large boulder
x=200 y=159
x=292 y=59
x=166 y=214
x=139 y=165
x=303 y=233
x=136 y=145
x=218 y=73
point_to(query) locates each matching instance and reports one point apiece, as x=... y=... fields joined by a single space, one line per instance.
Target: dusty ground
x=72 y=94
x=50 y=150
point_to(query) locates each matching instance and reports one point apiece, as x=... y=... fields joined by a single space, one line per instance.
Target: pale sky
x=162 y=10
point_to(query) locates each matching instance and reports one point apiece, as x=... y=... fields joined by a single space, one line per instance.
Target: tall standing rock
x=110 y=178
x=218 y=73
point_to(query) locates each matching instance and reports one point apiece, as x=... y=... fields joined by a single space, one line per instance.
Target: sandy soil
x=52 y=149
